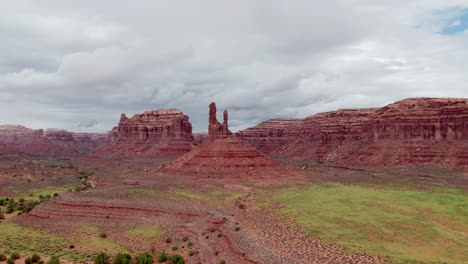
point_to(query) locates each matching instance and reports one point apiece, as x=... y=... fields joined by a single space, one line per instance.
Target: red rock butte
x=416 y=131
x=152 y=133
x=223 y=155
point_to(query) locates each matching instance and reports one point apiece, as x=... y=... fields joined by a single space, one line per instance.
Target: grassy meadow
x=407 y=225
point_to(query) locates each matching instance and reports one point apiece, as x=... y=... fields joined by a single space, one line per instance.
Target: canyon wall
x=60 y=143
x=416 y=131
x=152 y=133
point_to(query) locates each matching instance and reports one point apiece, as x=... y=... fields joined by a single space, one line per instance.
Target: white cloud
x=69 y=65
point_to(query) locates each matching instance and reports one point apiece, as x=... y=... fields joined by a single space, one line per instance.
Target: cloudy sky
x=77 y=65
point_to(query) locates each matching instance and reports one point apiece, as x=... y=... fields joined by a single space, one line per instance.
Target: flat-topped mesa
x=215 y=128
x=151 y=133
x=50 y=142
x=432 y=131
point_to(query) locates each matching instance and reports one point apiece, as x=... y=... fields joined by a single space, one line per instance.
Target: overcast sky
x=77 y=65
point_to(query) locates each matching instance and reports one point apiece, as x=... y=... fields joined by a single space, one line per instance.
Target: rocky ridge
x=431 y=131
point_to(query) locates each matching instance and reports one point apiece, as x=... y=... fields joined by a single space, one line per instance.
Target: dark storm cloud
x=78 y=64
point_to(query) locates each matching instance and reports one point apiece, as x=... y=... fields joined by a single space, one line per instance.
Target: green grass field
x=410 y=226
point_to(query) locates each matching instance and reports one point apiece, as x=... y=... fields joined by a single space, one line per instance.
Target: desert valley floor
x=222 y=200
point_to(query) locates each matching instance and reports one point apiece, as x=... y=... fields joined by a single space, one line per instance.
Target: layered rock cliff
x=429 y=131
x=152 y=133
x=49 y=142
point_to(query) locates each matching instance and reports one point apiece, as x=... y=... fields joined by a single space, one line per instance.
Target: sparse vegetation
x=101 y=258
x=176 y=259
x=35 y=258
x=122 y=258
x=220 y=235
x=237 y=228
x=2 y=257
x=174 y=248
x=242 y=206
x=10 y=261
x=15 y=255
x=144 y=258
x=163 y=257
x=53 y=260
x=222 y=261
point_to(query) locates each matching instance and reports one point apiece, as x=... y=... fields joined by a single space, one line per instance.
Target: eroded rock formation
x=223 y=155
x=413 y=131
x=152 y=133
x=50 y=142
x=215 y=128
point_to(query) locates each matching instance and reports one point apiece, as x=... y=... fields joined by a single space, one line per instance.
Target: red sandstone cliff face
x=49 y=142
x=413 y=131
x=152 y=133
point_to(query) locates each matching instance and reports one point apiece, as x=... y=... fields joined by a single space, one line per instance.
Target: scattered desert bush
x=237 y=228
x=71 y=247
x=220 y=235
x=212 y=229
x=175 y=248
x=103 y=235
x=10 y=261
x=53 y=260
x=144 y=258
x=189 y=244
x=35 y=258
x=222 y=261
x=163 y=257
x=2 y=257
x=185 y=239
x=242 y=206
x=168 y=240
x=101 y=258
x=27 y=260
x=122 y=258
x=176 y=259
x=15 y=255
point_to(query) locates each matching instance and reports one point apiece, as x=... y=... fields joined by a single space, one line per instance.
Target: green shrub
x=189 y=244
x=222 y=261
x=237 y=228
x=10 y=209
x=101 y=258
x=40 y=262
x=27 y=260
x=71 y=246
x=122 y=258
x=103 y=235
x=220 y=235
x=15 y=255
x=175 y=248
x=53 y=260
x=185 y=239
x=2 y=202
x=176 y=259
x=2 y=257
x=35 y=258
x=144 y=258
x=10 y=261
x=163 y=257
x=212 y=229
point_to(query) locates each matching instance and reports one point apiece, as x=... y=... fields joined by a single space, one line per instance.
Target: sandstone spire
x=215 y=128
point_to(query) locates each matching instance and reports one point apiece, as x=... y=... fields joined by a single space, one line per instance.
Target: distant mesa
x=50 y=142
x=155 y=133
x=223 y=155
x=416 y=131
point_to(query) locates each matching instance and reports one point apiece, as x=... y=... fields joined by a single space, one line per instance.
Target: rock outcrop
x=49 y=142
x=416 y=131
x=152 y=133
x=215 y=128
x=223 y=155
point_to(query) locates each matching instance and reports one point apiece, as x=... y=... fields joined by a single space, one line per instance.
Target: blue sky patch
x=457 y=24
